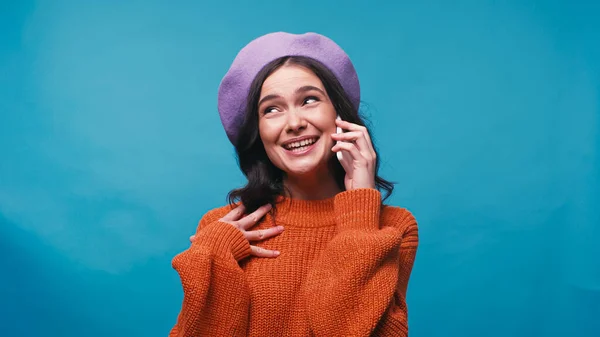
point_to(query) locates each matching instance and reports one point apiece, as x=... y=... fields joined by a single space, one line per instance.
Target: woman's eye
x=310 y=99
x=269 y=109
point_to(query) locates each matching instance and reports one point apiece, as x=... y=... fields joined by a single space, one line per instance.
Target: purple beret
x=235 y=85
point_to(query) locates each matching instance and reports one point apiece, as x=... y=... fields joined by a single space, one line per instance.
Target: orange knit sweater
x=343 y=271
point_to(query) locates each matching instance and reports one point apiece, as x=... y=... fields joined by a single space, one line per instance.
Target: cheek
x=326 y=126
x=269 y=134
x=326 y=118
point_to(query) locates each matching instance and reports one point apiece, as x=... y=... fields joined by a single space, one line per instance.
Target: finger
x=345 y=160
x=192 y=238
x=358 y=138
x=355 y=127
x=263 y=234
x=235 y=213
x=252 y=218
x=352 y=150
x=261 y=252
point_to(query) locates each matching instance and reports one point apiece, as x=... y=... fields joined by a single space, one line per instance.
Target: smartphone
x=339 y=130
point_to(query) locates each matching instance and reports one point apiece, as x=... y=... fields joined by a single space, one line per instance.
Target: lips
x=301 y=143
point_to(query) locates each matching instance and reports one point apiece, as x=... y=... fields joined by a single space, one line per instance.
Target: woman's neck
x=313 y=187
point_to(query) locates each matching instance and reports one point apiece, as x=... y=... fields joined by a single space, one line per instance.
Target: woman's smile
x=301 y=145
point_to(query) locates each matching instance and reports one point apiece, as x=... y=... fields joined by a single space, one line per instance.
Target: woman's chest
x=278 y=281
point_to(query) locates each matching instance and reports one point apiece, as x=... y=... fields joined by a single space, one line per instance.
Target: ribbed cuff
x=393 y=328
x=358 y=209
x=222 y=238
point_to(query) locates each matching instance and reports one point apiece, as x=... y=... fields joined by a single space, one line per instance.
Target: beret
x=235 y=85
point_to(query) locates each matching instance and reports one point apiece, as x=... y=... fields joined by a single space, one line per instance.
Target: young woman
x=306 y=247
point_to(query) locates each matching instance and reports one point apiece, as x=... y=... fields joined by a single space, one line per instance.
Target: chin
x=303 y=165
x=299 y=171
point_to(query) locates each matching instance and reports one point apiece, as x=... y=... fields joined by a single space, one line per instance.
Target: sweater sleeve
x=357 y=287
x=215 y=293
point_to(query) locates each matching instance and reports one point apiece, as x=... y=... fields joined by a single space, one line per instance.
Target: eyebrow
x=299 y=90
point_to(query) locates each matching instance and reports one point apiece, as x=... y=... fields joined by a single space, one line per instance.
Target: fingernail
x=277 y=253
x=280 y=228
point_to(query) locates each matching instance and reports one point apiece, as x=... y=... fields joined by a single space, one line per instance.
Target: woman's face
x=296 y=120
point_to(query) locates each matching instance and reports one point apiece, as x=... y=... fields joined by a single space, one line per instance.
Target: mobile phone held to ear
x=340 y=157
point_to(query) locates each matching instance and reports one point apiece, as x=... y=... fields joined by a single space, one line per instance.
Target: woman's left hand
x=359 y=156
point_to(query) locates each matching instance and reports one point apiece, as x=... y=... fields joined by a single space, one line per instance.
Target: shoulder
x=214 y=215
x=400 y=218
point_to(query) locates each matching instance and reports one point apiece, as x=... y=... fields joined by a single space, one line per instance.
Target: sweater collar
x=305 y=213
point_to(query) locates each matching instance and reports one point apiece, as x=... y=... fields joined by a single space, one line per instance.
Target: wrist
x=358 y=209
x=224 y=239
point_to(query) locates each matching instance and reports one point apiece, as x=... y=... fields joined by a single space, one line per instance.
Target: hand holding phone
x=355 y=152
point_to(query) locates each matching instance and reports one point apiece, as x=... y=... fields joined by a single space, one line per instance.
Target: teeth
x=300 y=143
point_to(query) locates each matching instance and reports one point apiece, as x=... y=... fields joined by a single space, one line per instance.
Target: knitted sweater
x=343 y=271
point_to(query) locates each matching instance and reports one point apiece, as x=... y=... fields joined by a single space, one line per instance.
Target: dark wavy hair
x=265 y=180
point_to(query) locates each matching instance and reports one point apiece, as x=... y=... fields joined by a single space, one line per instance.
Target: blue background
x=485 y=112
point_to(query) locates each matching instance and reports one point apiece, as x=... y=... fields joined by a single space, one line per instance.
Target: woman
x=306 y=248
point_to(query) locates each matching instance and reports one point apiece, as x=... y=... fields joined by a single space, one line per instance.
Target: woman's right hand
x=244 y=223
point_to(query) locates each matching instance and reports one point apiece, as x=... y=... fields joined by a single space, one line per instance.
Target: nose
x=295 y=122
